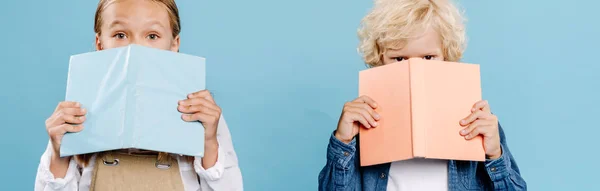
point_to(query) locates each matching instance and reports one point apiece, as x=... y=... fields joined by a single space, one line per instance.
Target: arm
x=501 y=166
x=45 y=180
x=225 y=174
x=218 y=169
x=503 y=171
x=211 y=153
x=342 y=170
x=54 y=172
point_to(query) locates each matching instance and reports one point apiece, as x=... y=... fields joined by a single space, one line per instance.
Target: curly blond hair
x=391 y=23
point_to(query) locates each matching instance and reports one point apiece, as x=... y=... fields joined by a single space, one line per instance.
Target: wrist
x=56 y=157
x=210 y=136
x=60 y=160
x=495 y=155
x=210 y=132
x=343 y=139
x=59 y=165
x=211 y=149
x=211 y=143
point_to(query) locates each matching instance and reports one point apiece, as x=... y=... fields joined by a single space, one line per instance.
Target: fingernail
x=377 y=116
x=375 y=104
x=463 y=131
x=83 y=110
x=77 y=104
x=375 y=124
x=462 y=121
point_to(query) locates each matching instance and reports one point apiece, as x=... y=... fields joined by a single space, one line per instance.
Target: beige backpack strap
x=121 y=171
x=164 y=162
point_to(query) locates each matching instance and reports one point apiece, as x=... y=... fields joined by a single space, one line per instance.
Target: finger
x=64 y=128
x=72 y=128
x=367 y=100
x=199 y=101
x=471 y=127
x=473 y=134
x=71 y=115
x=202 y=117
x=351 y=117
x=472 y=117
x=483 y=129
x=198 y=108
x=366 y=107
x=356 y=107
x=357 y=117
x=60 y=117
x=67 y=104
x=74 y=111
x=486 y=108
x=370 y=110
x=480 y=105
x=203 y=94
x=365 y=114
x=73 y=119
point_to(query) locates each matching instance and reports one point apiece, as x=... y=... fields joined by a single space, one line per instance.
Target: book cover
x=131 y=94
x=421 y=103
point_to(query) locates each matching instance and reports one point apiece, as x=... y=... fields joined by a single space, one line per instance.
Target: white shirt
x=224 y=175
x=418 y=174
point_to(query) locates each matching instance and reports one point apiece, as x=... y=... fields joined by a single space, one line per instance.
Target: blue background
x=282 y=70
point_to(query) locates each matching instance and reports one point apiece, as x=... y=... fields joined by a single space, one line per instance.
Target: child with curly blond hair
x=395 y=31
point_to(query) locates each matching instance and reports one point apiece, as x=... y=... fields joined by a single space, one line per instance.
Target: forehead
x=135 y=12
x=428 y=42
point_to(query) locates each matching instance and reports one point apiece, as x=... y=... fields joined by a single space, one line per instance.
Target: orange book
x=420 y=103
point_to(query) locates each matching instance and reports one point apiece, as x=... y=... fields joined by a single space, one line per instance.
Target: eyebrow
x=153 y=23
x=120 y=22
x=401 y=52
x=116 y=22
x=432 y=52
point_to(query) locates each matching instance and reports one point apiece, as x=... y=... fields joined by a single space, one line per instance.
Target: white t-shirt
x=418 y=174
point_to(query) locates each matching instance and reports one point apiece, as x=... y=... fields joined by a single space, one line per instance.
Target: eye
x=428 y=57
x=152 y=36
x=399 y=59
x=120 y=35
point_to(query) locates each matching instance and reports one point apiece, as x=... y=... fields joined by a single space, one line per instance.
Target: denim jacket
x=343 y=171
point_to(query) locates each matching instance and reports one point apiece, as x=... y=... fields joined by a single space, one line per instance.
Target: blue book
x=131 y=96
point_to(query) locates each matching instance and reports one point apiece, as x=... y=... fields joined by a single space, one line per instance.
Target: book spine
x=418 y=108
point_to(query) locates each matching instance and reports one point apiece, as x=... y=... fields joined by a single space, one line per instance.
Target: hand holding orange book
x=420 y=103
